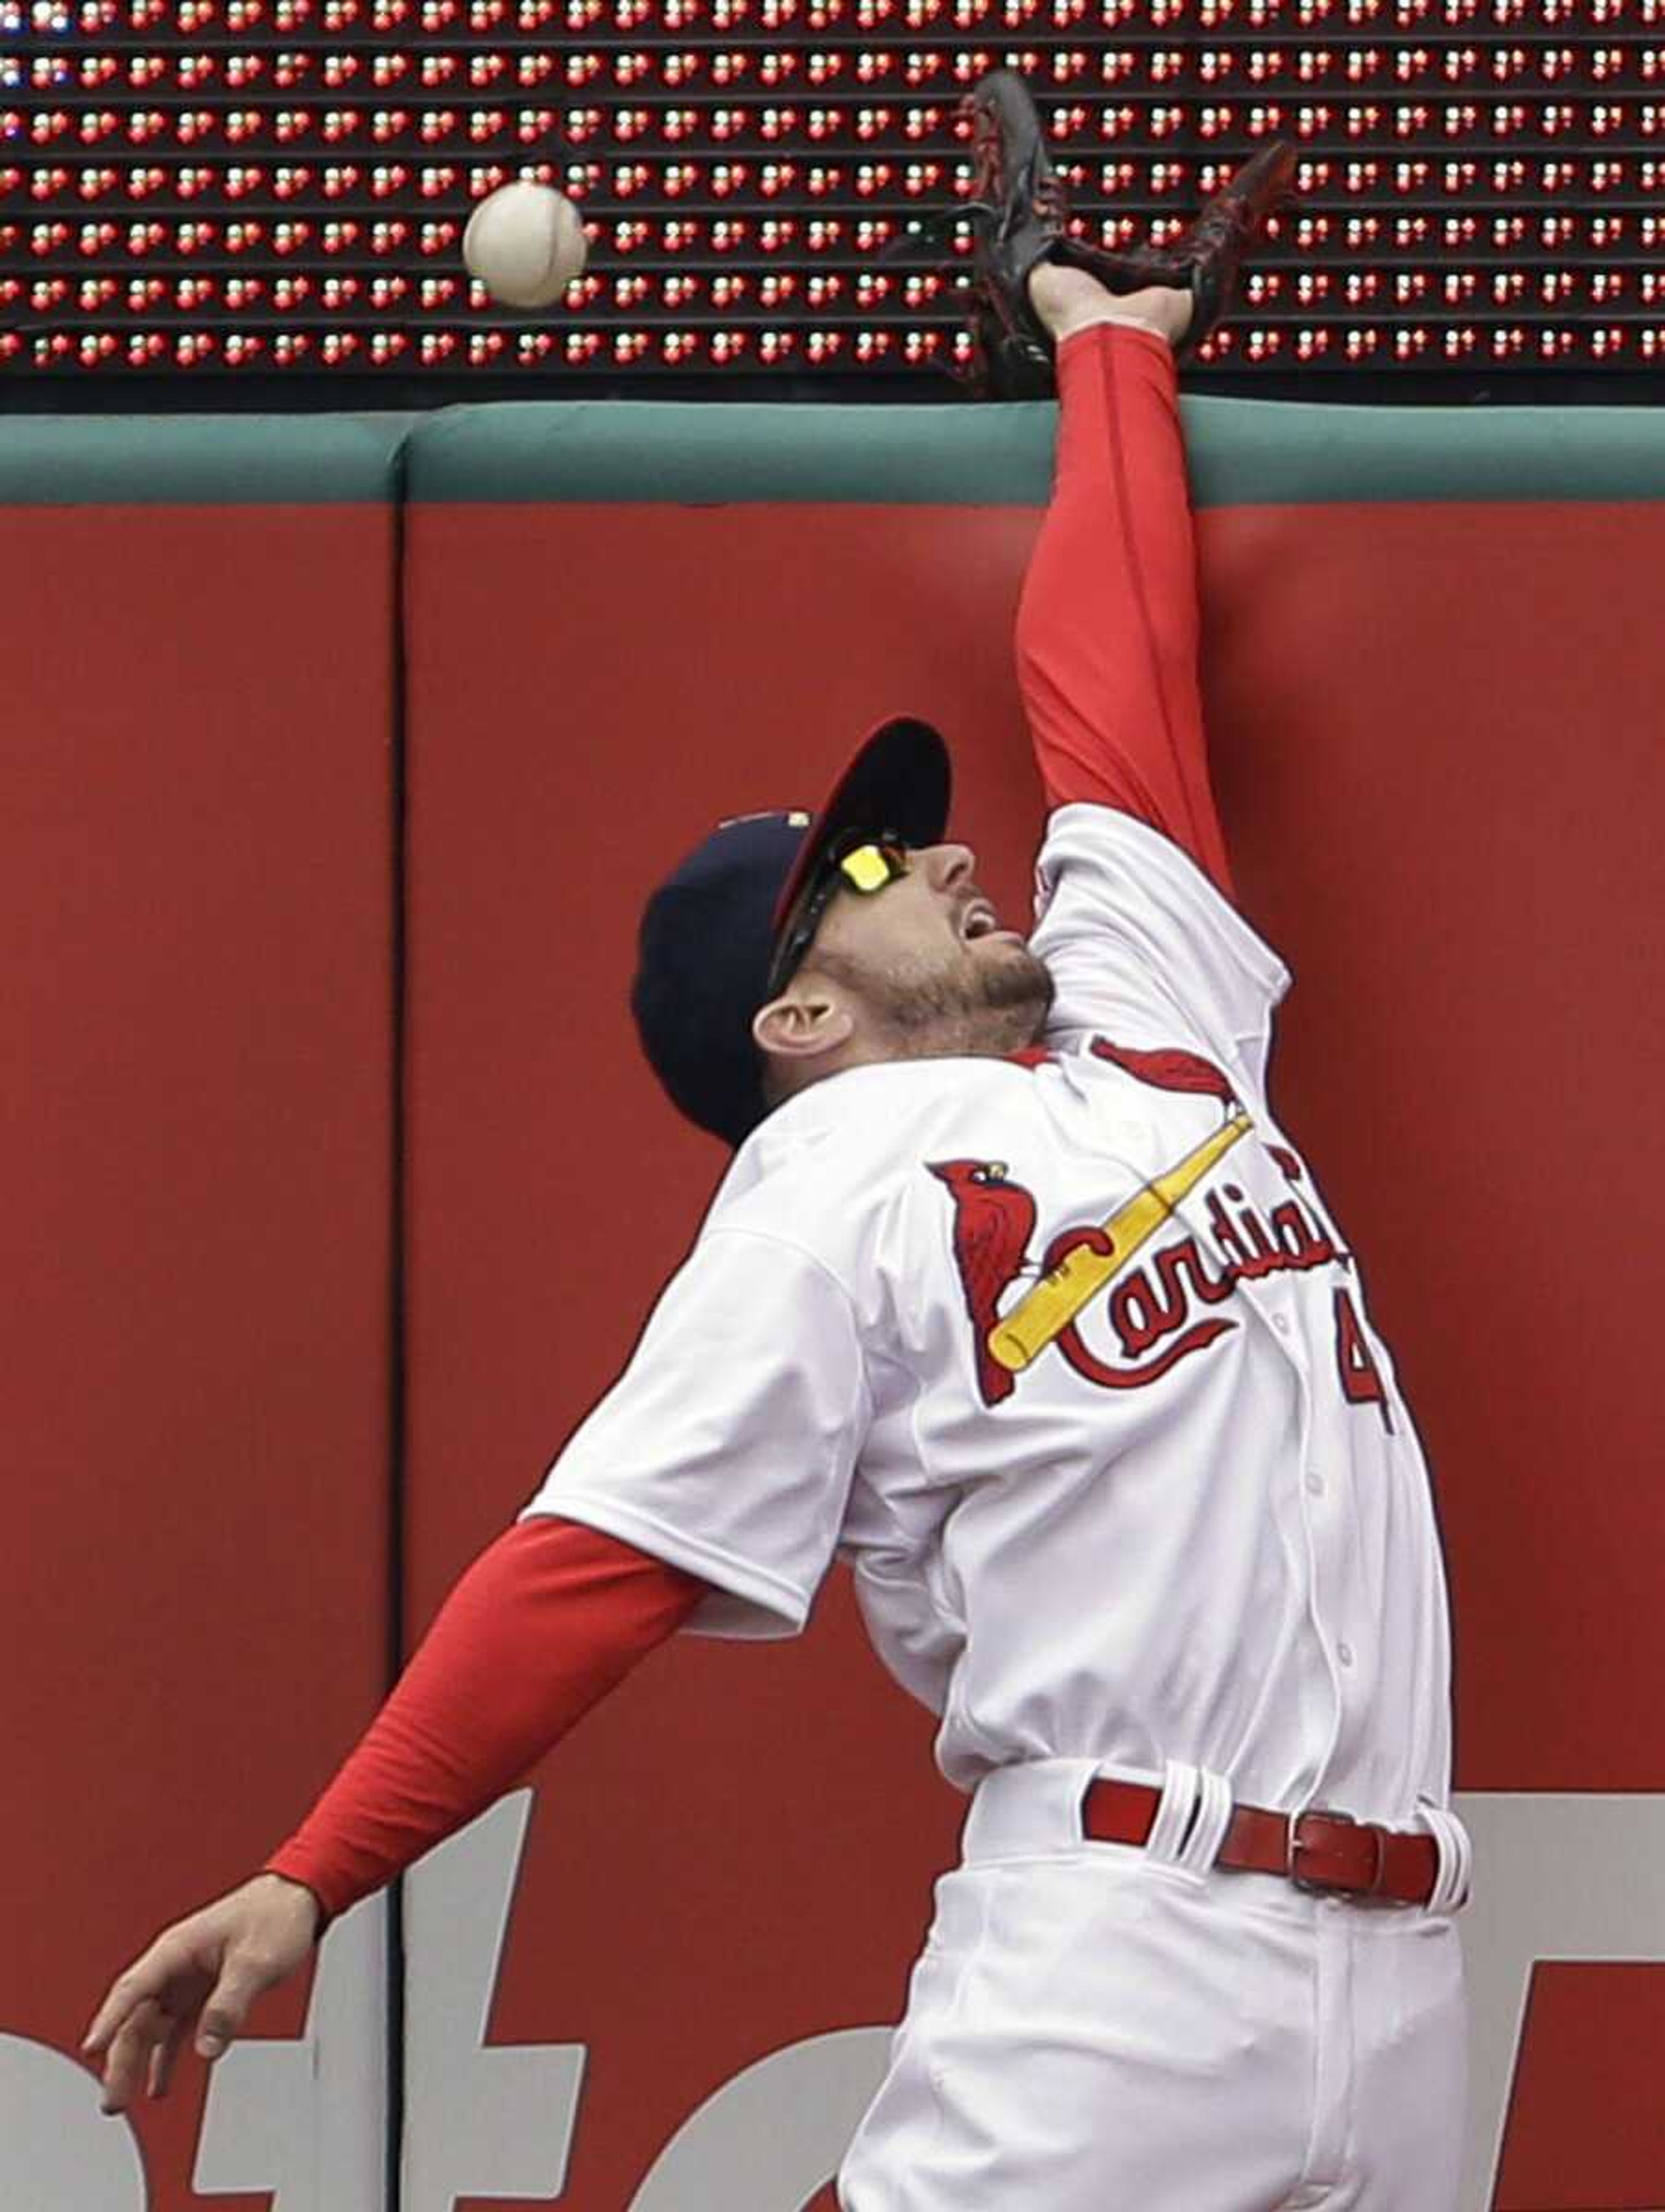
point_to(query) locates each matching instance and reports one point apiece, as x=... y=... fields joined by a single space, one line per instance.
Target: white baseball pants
x=1091 y=2027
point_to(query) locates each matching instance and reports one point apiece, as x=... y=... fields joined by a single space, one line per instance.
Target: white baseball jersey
x=1072 y=1365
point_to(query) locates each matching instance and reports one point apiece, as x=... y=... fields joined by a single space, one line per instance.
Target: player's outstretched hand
x=206 y=1970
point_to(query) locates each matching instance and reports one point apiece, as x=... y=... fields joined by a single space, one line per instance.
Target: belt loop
x=1173 y=1815
x=1208 y=1833
x=1033 y=1806
x=1451 y=1889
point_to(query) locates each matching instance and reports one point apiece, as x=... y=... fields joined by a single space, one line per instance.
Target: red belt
x=1315 y=1850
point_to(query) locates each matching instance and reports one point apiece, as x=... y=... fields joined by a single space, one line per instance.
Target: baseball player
x=1016 y=1297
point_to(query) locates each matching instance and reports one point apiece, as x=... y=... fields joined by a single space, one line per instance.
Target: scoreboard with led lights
x=217 y=187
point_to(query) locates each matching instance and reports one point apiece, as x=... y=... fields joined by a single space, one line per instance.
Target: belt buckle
x=1317 y=1884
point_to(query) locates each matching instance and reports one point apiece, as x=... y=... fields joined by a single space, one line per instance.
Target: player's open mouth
x=980 y=920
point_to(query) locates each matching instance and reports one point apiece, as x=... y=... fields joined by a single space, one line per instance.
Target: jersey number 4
x=1361 y=1378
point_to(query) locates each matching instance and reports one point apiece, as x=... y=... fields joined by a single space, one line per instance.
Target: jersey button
x=1281 y=1324
x=1344 y=1652
x=1314 y=1483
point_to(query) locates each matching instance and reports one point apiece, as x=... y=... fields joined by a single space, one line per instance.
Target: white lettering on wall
x=769 y=2139
x=57 y=2152
x=478 y=2121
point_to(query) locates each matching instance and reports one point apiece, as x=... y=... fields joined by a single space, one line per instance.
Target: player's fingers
x=163 y=2055
x=124 y=2064
x=241 y=1980
x=143 y=1980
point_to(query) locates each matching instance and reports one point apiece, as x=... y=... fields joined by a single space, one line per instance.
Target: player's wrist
x=298 y=1895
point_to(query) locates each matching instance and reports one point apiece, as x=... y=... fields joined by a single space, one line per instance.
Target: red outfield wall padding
x=1434 y=739
x=195 y=879
x=1436 y=759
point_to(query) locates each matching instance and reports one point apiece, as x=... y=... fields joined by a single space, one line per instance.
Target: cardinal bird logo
x=993 y=1222
x=1170 y=1069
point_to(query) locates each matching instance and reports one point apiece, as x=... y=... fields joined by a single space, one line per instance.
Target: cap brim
x=900 y=779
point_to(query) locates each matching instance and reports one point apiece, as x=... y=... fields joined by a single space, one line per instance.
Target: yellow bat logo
x=1018 y=1340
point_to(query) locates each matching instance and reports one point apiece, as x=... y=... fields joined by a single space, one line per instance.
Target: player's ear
x=804 y=1022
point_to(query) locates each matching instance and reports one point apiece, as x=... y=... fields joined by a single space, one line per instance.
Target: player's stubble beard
x=982 y=1004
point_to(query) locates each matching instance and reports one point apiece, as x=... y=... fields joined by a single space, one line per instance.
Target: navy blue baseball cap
x=710 y=932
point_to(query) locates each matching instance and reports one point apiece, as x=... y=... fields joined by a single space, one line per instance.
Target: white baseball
x=526 y=244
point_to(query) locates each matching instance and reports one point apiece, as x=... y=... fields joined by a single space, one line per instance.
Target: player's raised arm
x=1108 y=625
x=545 y=1621
x=1137 y=923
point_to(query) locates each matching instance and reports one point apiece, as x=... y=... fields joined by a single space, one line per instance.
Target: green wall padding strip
x=1241 y=452
x=199 y=460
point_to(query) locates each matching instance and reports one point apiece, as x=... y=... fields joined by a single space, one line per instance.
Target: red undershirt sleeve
x=549 y=1619
x=1109 y=624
